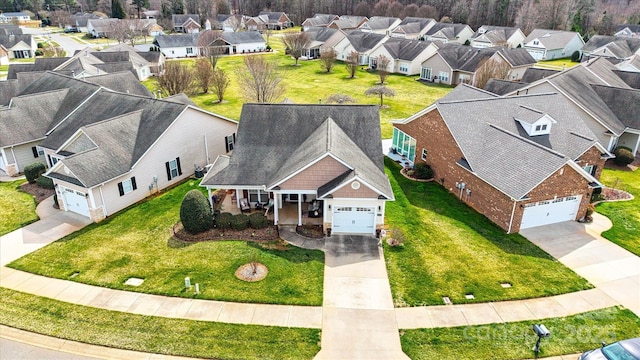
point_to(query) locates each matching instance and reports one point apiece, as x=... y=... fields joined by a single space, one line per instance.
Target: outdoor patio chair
x=268 y=207
x=244 y=205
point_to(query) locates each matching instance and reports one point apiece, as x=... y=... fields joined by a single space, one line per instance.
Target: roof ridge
x=111 y=119
x=580 y=135
x=530 y=142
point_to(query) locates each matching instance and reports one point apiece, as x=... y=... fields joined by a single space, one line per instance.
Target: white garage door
x=354 y=220
x=2 y=163
x=75 y=201
x=550 y=211
x=536 y=54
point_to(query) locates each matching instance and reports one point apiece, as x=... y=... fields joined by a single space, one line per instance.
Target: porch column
x=299 y=209
x=637 y=145
x=276 y=205
x=238 y=194
x=209 y=197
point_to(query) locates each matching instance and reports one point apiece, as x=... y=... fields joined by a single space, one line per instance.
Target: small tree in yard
x=219 y=82
x=204 y=74
x=490 y=69
x=195 y=212
x=177 y=78
x=328 y=60
x=352 y=64
x=208 y=43
x=380 y=90
x=259 y=79
x=382 y=65
x=296 y=42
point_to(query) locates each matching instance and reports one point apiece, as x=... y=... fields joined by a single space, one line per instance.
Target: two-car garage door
x=354 y=220
x=550 y=211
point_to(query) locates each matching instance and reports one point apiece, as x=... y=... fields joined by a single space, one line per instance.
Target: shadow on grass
x=290 y=253
x=433 y=197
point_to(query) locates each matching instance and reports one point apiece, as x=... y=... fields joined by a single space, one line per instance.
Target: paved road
x=13 y=350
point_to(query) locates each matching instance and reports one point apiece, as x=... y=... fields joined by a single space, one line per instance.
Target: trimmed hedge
x=195 y=212
x=223 y=220
x=624 y=156
x=258 y=221
x=45 y=182
x=239 y=222
x=422 y=171
x=33 y=171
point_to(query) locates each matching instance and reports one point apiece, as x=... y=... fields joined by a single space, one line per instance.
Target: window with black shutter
x=173 y=168
x=35 y=151
x=230 y=141
x=127 y=186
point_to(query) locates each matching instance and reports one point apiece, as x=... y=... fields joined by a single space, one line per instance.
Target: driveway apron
x=606 y=265
x=358 y=318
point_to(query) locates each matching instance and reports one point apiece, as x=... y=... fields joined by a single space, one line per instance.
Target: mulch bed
x=404 y=170
x=610 y=194
x=310 y=231
x=267 y=234
x=252 y=272
x=37 y=192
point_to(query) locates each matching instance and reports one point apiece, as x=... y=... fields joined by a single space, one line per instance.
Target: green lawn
x=18 y=208
x=558 y=63
x=138 y=243
x=155 y=334
x=451 y=250
x=625 y=215
x=307 y=83
x=569 y=335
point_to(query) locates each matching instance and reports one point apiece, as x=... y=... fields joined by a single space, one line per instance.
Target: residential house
x=413 y=27
x=151 y=61
x=152 y=14
x=100 y=28
x=319 y=20
x=348 y=22
x=19 y=46
x=331 y=43
x=360 y=42
x=614 y=48
x=320 y=161
x=228 y=22
x=23 y=126
x=277 y=20
x=579 y=85
x=453 y=64
x=318 y=37
x=10 y=29
x=631 y=65
x=9 y=17
x=522 y=161
x=449 y=33
x=380 y=25
x=545 y=44
x=243 y=42
x=628 y=30
x=257 y=23
x=178 y=45
x=406 y=56
x=490 y=36
x=81 y=20
x=186 y=23
x=125 y=52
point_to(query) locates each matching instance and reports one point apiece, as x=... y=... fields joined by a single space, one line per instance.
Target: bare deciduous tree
x=219 y=82
x=352 y=64
x=340 y=99
x=381 y=91
x=203 y=74
x=382 y=66
x=259 y=79
x=490 y=68
x=127 y=30
x=60 y=18
x=328 y=60
x=177 y=78
x=296 y=43
x=211 y=47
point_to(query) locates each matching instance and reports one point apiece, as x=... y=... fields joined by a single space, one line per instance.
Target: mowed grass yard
x=18 y=208
x=451 y=250
x=138 y=243
x=625 y=215
x=307 y=83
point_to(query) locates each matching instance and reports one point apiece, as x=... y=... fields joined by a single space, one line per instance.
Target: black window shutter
x=35 y=151
x=179 y=168
x=594 y=169
x=50 y=162
x=234 y=138
x=168 y=170
x=226 y=143
x=120 y=188
x=133 y=183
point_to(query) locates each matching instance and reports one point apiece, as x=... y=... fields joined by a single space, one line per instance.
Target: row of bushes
x=33 y=173
x=240 y=221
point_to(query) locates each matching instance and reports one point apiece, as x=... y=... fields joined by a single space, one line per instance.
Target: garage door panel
x=75 y=201
x=353 y=219
x=550 y=211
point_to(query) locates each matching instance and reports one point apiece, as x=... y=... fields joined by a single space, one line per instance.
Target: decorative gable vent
x=534 y=122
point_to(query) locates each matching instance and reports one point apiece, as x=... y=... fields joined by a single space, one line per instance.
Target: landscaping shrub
x=258 y=221
x=33 y=171
x=423 y=171
x=195 y=212
x=45 y=182
x=39 y=53
x=624 y=156
x=576 y=56
x=223 y=220
x=239 y=222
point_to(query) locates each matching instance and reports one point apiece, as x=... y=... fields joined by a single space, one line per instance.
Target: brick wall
x=315 y=175
x=592 y=157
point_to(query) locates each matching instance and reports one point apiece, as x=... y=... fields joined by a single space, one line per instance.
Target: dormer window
x=536 y=42
x=534 y=122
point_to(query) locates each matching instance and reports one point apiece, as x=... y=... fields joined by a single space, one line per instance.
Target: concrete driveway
x=606 y=265
x=358 y=318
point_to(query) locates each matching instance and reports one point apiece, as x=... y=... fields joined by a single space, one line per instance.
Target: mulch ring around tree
x=37 y=192
x=404 y=171
x=252 y=272
x=268 y=233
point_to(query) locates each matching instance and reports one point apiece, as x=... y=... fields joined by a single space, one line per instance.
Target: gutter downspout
x=104 y=205
x=15 y=161
x=512 y=212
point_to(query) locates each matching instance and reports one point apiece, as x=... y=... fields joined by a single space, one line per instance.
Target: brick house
x=522 y=161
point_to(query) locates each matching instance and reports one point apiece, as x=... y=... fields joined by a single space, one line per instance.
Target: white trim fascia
x=358 y=178
x=414 y=116
x=70 y=172
x=211 y=113
x=24 y=142
x=309 y=164
x=599 y=147
x=74 y=137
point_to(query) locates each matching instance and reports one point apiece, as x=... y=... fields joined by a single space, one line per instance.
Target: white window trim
x=173 y=165
x=423 y=156
x=127 y=186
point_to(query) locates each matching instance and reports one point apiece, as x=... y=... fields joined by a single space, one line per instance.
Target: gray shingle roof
x=243 y=37
x=495 y=33
x=8 y=89
x=176 y=40
x=9 y=41
x=181 y=19
x=320 y=34
x=8 y=29
x=632 y=27
x=625 y=103
x=275 y=140
x=630 y=78
x=620 y=47
x=381 y=22
x=364 y=41
x=551 y=39
x=41 y=64
x=405 y=49
x=124 y=82
x=533 y=74
x=466 y=58
x=102 y=25
x=498 y=149
x=449 y=30
x=503 y=87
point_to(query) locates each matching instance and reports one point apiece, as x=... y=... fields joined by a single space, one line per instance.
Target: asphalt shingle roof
x=466 y=58
x=551 y=39
x=381 y=22
x=503 y=87
x=405 y=49
x=620 y=47
x=176 y=40
x=533 y=74
x=625 y=103
x=243 y=37
x=364 y=41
